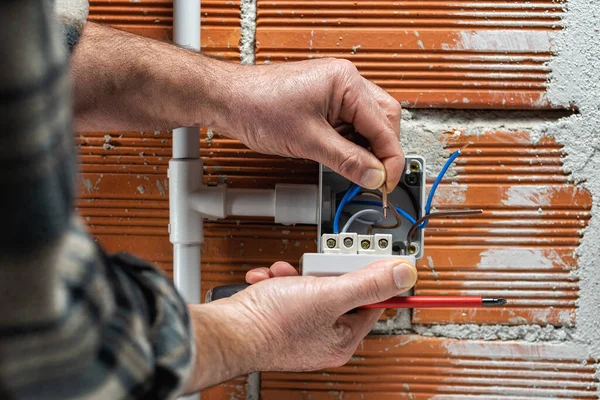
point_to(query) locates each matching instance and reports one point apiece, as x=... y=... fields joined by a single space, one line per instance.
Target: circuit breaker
x=353 y=230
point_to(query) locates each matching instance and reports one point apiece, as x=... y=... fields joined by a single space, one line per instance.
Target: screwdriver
x=221 y=292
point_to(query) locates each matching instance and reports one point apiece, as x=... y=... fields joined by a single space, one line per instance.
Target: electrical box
x=369 y=236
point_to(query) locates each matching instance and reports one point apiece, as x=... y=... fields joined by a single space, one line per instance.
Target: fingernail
x=373 y=179
x=404 y=276
x=263 y=273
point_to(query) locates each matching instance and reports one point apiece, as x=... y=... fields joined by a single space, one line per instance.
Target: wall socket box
x=412 y=183
x=336 y=255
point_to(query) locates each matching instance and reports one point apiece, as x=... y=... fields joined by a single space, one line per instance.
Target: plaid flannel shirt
x=74 y=321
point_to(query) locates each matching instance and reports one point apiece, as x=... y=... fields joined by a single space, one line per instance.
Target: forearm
x=124 y=81
x=227 y=345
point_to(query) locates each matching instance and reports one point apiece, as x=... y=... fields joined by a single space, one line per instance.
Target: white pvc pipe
x=288 y=204
x=250 y=202
x=186 y=144
x=186 y=226
x=187 y=279
x=186 y=23
x=186 y=33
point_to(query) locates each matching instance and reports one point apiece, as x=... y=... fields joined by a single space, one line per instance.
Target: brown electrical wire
x=439 y=214
x=390 y=206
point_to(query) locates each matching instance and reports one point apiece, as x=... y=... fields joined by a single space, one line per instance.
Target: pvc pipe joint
x=185 y=177
x=287 y=204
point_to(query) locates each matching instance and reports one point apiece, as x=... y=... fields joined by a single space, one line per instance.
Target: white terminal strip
x=353 y=243
x=347 y=252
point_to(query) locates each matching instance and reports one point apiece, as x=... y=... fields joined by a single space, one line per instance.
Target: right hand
x=301 y=323
x=313 y=109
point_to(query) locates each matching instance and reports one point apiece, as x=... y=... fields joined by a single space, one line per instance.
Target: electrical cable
x=403 y=213
x=392 y=207
x=439 y=214
x=364 y=221
x=350 y=194
x=437 y=181
x=357 y=215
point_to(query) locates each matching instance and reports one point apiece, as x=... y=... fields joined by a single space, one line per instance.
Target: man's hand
x=309 y=109
x=303 y=109
x=292 y=323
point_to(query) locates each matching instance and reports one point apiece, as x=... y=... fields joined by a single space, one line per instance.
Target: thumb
x=374 y=283
x=348 y=159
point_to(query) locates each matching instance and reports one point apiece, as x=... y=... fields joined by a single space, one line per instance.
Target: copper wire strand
x=384 y=200
x=439 y=214
x=390 y=206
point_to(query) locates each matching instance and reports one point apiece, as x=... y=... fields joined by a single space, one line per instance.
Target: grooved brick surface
x=449 y=54
x=522 y=246
x=220 y=22
x=413 y=367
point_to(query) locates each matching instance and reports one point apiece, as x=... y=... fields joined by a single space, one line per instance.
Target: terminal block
x=353 y=243
x=347 y=252
x=334 y=264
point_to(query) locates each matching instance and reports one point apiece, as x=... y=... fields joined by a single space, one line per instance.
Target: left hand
x=277 y=270
x=291 y=323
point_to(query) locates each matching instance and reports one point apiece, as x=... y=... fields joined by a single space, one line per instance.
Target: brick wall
x=437 y=54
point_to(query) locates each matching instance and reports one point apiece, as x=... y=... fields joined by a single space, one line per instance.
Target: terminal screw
x=383 y=243
x=414 y=166
x=331 y=243
x=365 y=244
x=348 y=242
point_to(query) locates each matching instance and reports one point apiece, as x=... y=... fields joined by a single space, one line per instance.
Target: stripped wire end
x=384 y=202
x=464 y=147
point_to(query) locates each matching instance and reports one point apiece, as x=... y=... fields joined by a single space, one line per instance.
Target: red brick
x=419 y=368
x=449 y=54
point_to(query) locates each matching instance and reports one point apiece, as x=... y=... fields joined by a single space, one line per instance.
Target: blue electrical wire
x=350 y=194
x=436 y=184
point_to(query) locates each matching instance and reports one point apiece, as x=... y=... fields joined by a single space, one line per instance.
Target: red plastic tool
x=437 y=302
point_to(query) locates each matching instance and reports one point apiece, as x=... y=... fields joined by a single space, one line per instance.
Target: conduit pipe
x=287 y=204
x=186 y=146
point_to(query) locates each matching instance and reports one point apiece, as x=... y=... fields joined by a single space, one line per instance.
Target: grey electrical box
x=408 y=196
